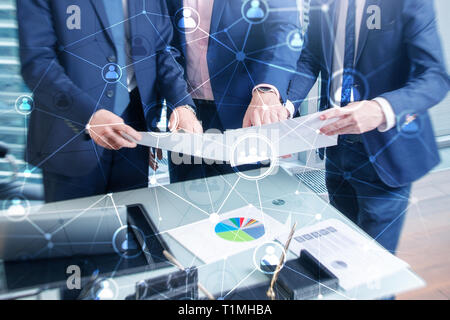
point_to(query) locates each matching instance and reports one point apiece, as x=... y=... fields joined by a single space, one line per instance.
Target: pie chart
x=240 y=229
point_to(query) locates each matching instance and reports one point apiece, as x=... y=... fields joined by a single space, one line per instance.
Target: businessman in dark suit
x=95 y=67
x=381 y=68
x=237 y=59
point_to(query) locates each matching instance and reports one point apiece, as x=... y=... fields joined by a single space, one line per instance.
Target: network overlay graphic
x=208 y=198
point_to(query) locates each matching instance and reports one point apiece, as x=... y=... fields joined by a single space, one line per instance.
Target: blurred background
x=426 y=238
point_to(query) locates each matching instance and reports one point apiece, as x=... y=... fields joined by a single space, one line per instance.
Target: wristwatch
x=190 y=108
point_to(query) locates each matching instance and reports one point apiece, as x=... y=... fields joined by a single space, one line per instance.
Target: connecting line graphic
x=110 y=195
x=248 y=58
x=228 y=195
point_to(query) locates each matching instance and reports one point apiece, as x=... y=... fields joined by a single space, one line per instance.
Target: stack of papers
x=230 y=233
x=351 y=256
x=249 y=145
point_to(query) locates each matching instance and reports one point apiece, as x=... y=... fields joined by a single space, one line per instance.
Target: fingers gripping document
x=247 y=145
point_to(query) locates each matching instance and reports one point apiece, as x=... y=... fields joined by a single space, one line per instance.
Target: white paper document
x=247 y=145
x=233 y=232
x=352 y=257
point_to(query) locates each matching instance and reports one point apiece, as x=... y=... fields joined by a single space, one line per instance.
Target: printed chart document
x=231 y=233
x=352 y=257
x=246 y=145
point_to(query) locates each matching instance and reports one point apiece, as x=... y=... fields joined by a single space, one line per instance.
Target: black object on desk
x=299 y=279
x=305 y=278
x=179 y=285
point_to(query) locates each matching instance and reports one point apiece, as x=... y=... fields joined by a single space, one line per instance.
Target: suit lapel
x=218 y=8
x=328 y=30
x=364 y=31
x=103 y=17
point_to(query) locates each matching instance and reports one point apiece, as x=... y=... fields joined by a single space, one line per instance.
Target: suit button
x=110 y=93
x=112 y=59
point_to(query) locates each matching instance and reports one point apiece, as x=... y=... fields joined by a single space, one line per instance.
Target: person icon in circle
x=270 y=260
x=410 y=126
x=128 y=244
x=255 y=12
x=25 y=105
x=296 y=41
x=105 y=292
x=112 y=73
x=187 y=22
x=138 y=47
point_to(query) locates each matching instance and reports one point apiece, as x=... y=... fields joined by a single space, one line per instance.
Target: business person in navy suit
x=382 y=69
x=237 y=59
x=95 y=67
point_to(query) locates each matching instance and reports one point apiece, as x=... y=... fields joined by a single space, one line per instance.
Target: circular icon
x=360 y=89
x=187 y=20
x=140 y=48
x=253 y=149
x=112 y=73
x=24 y=105
x=124 y=243
x=16 y=208
x=267 y=255
x=295 y=40
x=255 y=11
x=63 y=101
x=159 y=118
x=409 y=124
x=206 y=192
x=105 y=289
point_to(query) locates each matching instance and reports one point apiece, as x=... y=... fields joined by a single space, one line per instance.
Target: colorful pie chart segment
x=240 y=229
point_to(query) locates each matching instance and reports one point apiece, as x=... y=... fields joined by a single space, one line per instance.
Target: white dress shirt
x=338 y=58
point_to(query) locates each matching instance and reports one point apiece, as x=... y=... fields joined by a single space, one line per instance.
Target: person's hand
x=106 y=129
x=184 y=119
x=264 y=108
x=155 y=154
x=356 y=118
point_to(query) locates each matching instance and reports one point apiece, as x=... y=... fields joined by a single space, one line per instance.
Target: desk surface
x=180 y=204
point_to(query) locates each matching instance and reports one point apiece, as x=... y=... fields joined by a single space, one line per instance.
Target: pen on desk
x=271 y=293
x=180 y=266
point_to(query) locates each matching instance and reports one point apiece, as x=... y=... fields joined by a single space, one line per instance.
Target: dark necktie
x=114 y=11
x=349 y=56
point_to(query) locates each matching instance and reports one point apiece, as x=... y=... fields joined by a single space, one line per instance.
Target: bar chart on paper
x=240 y=229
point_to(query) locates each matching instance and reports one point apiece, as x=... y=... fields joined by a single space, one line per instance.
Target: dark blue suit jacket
x=58 y=62
x=268 y=58
x=401 y=62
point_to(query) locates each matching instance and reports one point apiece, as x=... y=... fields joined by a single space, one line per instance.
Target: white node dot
x=325 y=8
x=27 y=173
x=297 y=192
x=160 y=219
x=109 y=195
x=214 y=217
x=318 y=216
x=414 y=200
x=152 y=180
x=265 y=107
x=88 y=127
x=318 y=131
x=320 y=297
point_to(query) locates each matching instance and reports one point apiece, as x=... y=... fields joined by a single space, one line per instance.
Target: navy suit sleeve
x=277 y=63
x=429 y=82
x=308 y=66
x=171 y=81
x=41 y=70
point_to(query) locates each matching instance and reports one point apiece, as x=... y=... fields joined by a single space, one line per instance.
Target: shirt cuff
x=290 y=108
x=389 y=114
x=265 y=85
